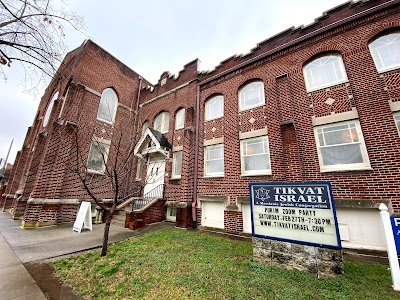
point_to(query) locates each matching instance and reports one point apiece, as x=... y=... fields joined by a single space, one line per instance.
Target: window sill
x=214 y=176
x=251 y=107
x=326 y=86
x=346 y=170
x=106 y=121
x=213 y=119
x=89 y=171
x=388 y=69
x=258 y=174
x=175 y=178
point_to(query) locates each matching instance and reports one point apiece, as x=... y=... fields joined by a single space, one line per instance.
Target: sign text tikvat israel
x=295 y=212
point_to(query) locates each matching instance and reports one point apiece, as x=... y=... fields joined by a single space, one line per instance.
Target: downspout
x=137 y=103
x=196 y=157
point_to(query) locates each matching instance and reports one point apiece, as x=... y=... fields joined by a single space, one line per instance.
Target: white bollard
x=391 y=247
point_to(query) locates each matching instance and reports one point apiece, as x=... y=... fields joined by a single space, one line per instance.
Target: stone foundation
x=46 y=212
x=316 y=260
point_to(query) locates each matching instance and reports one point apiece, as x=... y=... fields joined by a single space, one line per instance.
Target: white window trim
x=397 y=114
x=173 y=175
x=344 y=167
x=253 y=106
x=115 y=109
x=169 y=217
x=99 y=141
x=206 y=119
x=49 y=109
x=255 y=172
x=324 y=86
x=211 y=175
x=176 y=119
x=385 y=69
x=139 y=169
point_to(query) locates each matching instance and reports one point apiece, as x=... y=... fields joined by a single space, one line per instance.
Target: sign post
x=300 y=213
x=391 y=247
x=84 y=217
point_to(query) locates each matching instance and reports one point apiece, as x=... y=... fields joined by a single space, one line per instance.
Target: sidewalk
x=15 y=282
x=18 y=246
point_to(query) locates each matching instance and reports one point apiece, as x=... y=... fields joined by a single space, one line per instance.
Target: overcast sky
x=160 y=36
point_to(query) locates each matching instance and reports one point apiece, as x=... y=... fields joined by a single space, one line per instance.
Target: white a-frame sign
x=84 y=217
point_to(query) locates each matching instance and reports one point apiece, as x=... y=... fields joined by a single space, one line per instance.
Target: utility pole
x=3 y=170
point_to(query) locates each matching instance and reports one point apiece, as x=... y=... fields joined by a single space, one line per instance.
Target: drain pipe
x=196 y=157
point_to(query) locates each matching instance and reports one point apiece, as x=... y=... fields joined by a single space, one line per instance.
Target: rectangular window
x=176 y=165
x=341 y=147
x=255 y=156
x=214 y=160
x=98 y=155
x=397 y=120
x=139 y=169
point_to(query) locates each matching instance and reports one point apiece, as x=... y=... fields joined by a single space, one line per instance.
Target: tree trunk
x=107 y=229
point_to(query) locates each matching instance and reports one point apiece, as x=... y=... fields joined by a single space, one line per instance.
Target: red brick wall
x=182 y=95
x=292 y=147
x=48 y=158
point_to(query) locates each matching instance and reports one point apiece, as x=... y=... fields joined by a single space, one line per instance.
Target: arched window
x=49 y=109
x=324 y=71
x=180 y=119
x=385 y=51
x=214 y=108
x=161 y=122
x=145 y=126
x=108 y=106
x=251 y=95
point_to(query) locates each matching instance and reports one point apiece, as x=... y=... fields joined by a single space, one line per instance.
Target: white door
x=246 y=215
x=154 y=177
x=212 y=214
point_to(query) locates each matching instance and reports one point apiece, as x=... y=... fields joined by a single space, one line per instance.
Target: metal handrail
x=130 y=194
x=157 y=192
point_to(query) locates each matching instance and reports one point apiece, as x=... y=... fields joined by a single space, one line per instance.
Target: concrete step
x=118 y=223
x=119 y=217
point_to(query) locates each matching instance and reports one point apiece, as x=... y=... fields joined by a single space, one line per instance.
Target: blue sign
x=396 y=231
x=300 y=212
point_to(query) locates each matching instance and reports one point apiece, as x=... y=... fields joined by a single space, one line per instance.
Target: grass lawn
x=179 y=264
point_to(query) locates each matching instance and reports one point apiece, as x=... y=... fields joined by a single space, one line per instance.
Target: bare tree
x=105 y=170
x=32 y=33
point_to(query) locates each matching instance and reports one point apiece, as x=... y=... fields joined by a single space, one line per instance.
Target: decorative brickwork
x=44 y=166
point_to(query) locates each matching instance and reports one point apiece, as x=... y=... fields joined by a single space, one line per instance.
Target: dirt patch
x=48 y=281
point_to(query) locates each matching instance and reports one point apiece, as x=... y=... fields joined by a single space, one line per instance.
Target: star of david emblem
x=262 y=194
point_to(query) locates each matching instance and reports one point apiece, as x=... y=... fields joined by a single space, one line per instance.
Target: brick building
x=314 y=103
